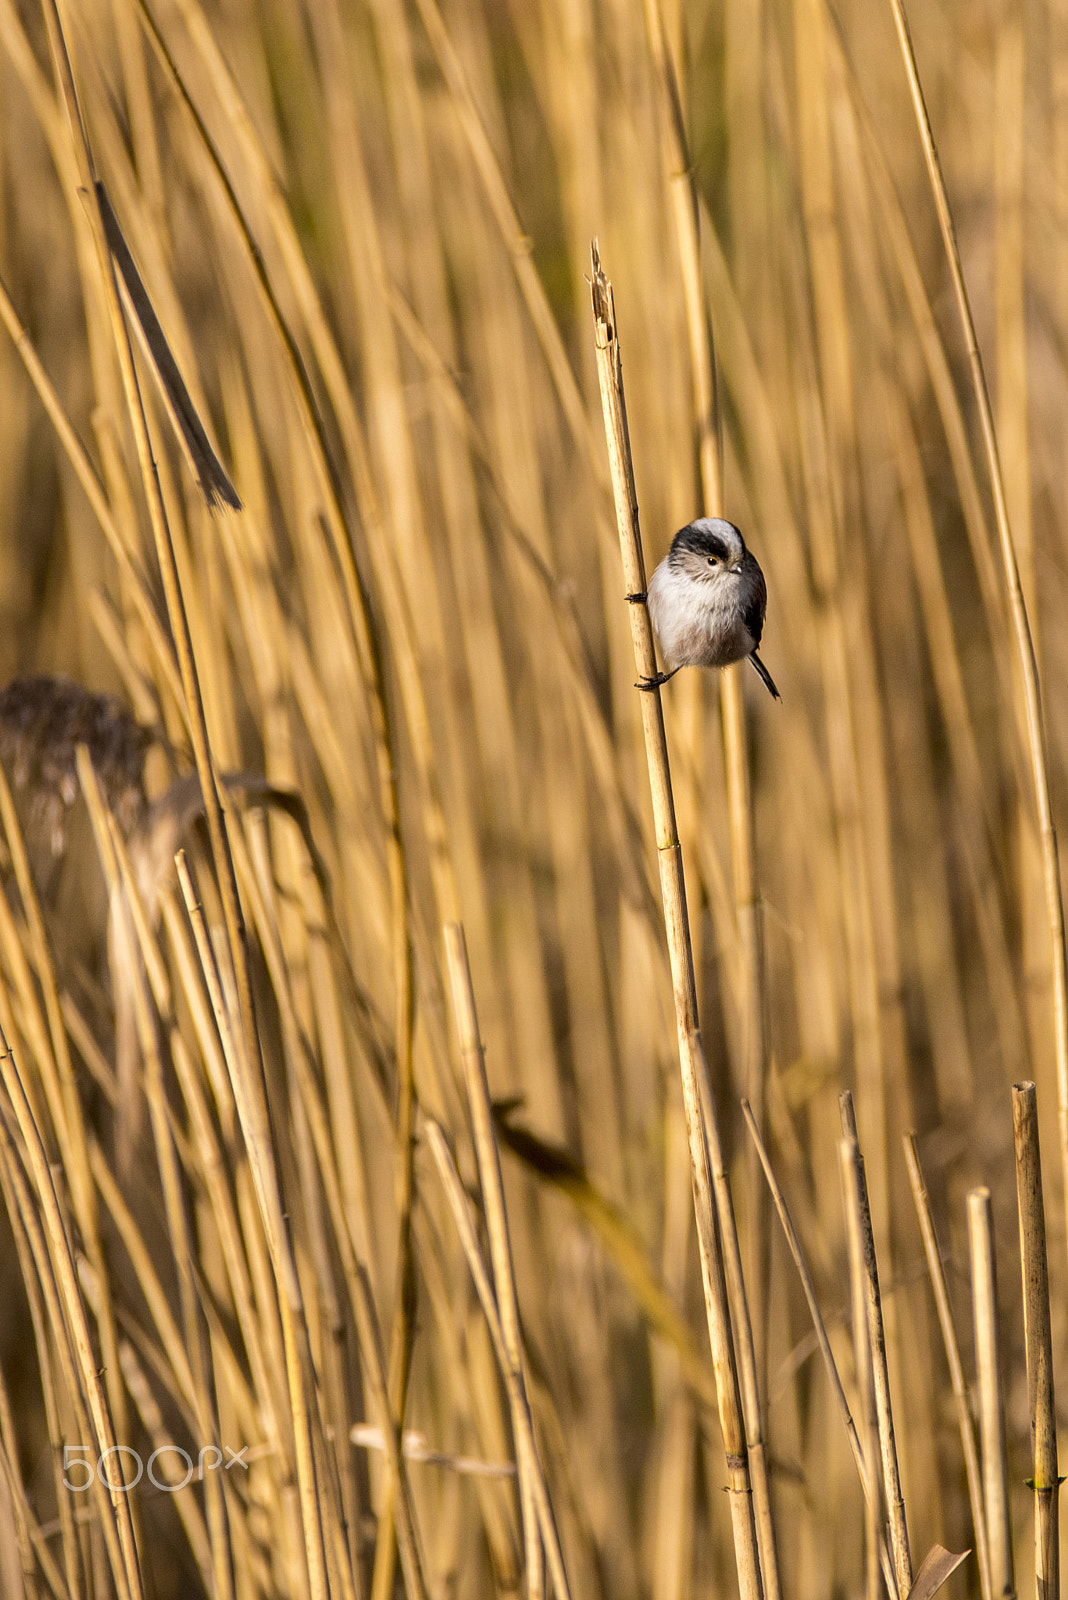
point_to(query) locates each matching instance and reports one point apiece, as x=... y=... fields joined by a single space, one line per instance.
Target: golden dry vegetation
x=365 y=228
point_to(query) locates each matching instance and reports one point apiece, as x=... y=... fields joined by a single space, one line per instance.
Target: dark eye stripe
x=699 y=542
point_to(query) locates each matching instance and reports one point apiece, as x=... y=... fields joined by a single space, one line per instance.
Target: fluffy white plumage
x=707 y=600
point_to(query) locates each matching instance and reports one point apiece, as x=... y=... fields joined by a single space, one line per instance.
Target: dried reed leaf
x=208 y=470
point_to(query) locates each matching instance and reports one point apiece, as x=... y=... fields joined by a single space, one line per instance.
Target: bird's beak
x=738 y=568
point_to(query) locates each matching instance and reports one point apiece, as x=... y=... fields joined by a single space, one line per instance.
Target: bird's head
x=708 y=549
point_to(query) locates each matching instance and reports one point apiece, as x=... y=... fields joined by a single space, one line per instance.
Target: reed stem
x=857 y=1194
x=691 y=1050
x=869 y=1482
x=858 y=1293
x=1038 y=1340
x=937 y=1274
x=991 y=1406
x=489 y=1171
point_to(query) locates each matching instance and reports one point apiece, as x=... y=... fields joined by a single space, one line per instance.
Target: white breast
x=697 y=624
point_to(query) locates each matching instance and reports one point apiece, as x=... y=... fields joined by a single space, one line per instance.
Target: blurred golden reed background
x=365 y=228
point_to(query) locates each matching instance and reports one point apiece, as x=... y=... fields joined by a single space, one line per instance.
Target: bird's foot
x=648 y=684
x=637 y=599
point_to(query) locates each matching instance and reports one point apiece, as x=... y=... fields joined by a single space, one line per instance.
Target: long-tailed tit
x=707 y=600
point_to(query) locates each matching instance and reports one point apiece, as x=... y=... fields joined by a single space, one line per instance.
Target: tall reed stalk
x=1038 y=1338
x=700 y=1109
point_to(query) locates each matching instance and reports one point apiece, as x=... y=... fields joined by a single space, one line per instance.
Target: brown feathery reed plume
x=43 y=720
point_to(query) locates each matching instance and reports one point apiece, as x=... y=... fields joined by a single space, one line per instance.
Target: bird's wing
x=754 y=613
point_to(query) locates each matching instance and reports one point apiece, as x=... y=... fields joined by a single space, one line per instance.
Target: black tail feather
x=765 y=676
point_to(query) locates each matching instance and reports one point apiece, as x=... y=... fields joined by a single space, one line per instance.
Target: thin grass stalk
x=356 y=1273
x=675 y=1509
x=1038 y=1339
x=940 y=374
x=59 y=1280
x=254 y=1103
x=31 y=1539
x=72 y=1563
x=677 y=1422
x=368 y=645
x=212 y=1168
x=359 y=608
x=513 y=235
x=19 y=1510
x=308 y=1105
x=856 y=722
x=479 y=1399
x=362 y=1301
x=30 y=1029
x=684 y=208
x=358 y=603
x=286 y=958
x=965 y=1423
x=190 y=982
x=362 y=621
x=1010 y=292
x=636 y=881
x=869 y=1486
x=741 y=1324
x=691 y=1052
x=752 y=1353
x=186 y=1507
x=112 y=850
x=55 y=1068
x=44 y=1295
x=1036 y=738
x=489 y=1172
x=978 y=837
x=1014 y=433
x=991 y=1408
x=858 y=1294
x=522 y=418
x=857 y=1194
x=528 y=1460
x=259 y=1144
x=161 y=530
x=70 y=1128
x=389 y=429
x=845 y=696
x=337 y=1073
x=622 y=1242
x=747 y=901
x=494 y=724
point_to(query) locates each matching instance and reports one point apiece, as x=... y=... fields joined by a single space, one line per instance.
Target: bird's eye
x=712 y=561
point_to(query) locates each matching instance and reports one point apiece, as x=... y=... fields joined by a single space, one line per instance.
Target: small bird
x=707 y=600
